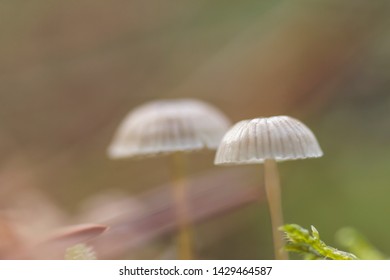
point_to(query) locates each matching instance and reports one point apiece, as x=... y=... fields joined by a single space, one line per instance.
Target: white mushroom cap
x=166 y=126
x=280 y=138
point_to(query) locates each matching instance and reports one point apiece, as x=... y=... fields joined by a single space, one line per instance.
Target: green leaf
x=309 y=244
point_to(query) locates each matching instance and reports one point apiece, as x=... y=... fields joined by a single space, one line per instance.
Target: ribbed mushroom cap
x=166 y=126
x=280 y=138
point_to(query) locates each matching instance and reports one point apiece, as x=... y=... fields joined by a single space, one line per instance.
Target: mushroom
x=268 y=140
x=172 y=127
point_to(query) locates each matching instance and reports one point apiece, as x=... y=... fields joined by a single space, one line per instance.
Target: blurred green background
x=71 y=70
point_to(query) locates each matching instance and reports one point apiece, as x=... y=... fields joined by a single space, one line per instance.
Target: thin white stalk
x=184 y=238
x=273 y=192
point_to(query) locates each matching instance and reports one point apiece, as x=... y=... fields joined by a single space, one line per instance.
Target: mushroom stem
x=184 y=238
x=273 y=192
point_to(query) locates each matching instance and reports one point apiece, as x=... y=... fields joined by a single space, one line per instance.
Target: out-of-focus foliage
x=355 y=242
x=80 y=252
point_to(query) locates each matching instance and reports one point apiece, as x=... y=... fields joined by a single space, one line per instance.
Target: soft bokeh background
x=71 y=70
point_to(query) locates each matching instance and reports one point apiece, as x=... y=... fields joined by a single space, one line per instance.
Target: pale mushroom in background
x=171 y=127
x=268 y=140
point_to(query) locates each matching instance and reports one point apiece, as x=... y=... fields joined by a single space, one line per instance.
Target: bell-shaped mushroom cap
x=280 y=138
x=166 y=126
